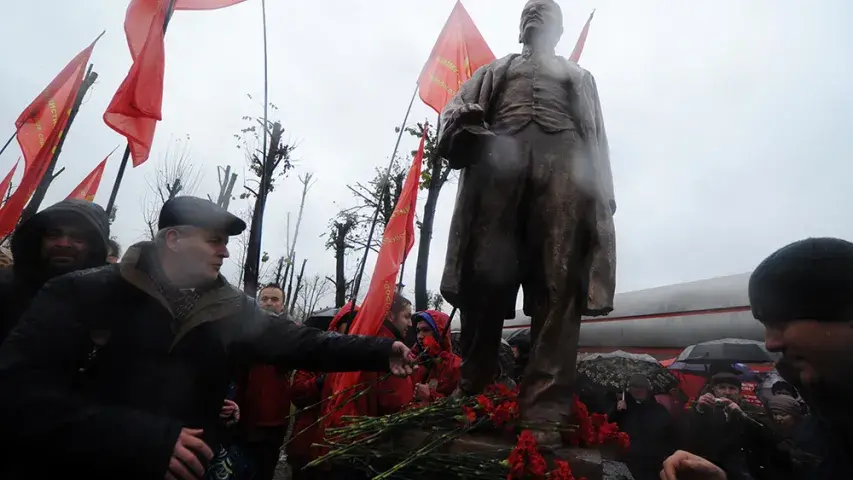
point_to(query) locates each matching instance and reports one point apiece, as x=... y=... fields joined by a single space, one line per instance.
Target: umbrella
x=743 y=371
x=727 y=350
x=611 y=370
x=321 y=319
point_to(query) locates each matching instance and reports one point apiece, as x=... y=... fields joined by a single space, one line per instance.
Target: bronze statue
x=534 y=210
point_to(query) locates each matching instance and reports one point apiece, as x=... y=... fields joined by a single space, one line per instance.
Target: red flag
x=576 y=53
x=6 y=184
x=205 y=4
x=38 y=120
x=137 y=105
x=459 y=51
x=397 y=240
x=89 y=186
x=52 y=106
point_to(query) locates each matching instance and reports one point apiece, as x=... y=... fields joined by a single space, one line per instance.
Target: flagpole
x=357 y=282
x=123 y=165
x=5 y=145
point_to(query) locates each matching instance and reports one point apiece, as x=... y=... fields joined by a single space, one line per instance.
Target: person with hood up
x=648 y=425
x=68 y=236
x=121 y=371
x=306 y=394
x=439 y=374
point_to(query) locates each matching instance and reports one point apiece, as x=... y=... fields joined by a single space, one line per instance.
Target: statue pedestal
x=585 y=462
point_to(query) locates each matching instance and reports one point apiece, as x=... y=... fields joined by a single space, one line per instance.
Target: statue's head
x=541 y=24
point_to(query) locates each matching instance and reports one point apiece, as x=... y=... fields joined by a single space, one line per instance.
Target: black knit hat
x=811 y=279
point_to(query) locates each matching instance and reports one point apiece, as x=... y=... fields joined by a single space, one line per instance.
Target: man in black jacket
x=68 y=236
x=120 y=372
x=648 y=425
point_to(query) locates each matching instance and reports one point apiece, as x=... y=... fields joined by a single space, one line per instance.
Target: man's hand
x=683 y=465
x=422 y=392
x=190 y=456
x=401 y=362
x=706 y=402
x=732 y=408
x=229 y=409
x=621 y=405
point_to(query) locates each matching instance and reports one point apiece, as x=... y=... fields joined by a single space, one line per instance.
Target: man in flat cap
x=120 y=372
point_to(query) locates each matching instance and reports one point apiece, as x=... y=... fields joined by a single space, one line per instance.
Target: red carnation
x=432 y=348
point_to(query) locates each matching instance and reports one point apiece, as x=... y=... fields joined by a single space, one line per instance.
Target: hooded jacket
x=440 y=373
x=19 y=284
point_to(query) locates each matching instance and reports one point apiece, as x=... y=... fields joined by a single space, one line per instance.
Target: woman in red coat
x=439 y=374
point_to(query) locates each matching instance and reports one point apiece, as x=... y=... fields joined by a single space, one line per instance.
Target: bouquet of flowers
x=372 y=444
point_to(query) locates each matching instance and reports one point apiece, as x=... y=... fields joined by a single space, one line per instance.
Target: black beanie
x=811 y=279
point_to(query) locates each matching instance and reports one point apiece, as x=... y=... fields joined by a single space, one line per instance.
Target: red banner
x=49 y=115
x=576 y=53
x=205 y=4
x=89 y=186
x=40 y=118
x=136 y=106
x=397 y=240
x=6 y=184
x=459 y=51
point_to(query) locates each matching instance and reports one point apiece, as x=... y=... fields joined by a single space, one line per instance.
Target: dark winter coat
x=650 y=428
x=118 y=415
x=20 y=284
x=720 y=439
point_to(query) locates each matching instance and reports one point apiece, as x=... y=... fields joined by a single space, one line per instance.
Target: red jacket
x=305 y=394
x=265 y=397
x=442 y=372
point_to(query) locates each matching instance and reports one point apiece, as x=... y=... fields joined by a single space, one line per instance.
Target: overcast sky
x=729 y=121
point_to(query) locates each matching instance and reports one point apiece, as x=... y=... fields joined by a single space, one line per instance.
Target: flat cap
x=810 y=279
x=199 y=212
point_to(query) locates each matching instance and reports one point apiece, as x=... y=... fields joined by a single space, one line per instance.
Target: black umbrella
x=727 y=350
x=610 y=371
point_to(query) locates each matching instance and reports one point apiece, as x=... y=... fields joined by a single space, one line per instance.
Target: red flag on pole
x=576 y=53
x=137 y=105
x=6 y=184
x=49 y=115
x=397 y=240
x=89 y=186
x=459 y=51
x=42 y=116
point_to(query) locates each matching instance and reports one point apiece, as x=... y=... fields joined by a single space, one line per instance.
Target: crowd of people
x=149 y=365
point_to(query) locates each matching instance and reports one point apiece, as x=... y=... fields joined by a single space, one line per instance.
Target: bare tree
x=436 y=301
x=266 y=164
x=315 y=289
x=175 y=175
x=339 y=241
x=381 y=192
